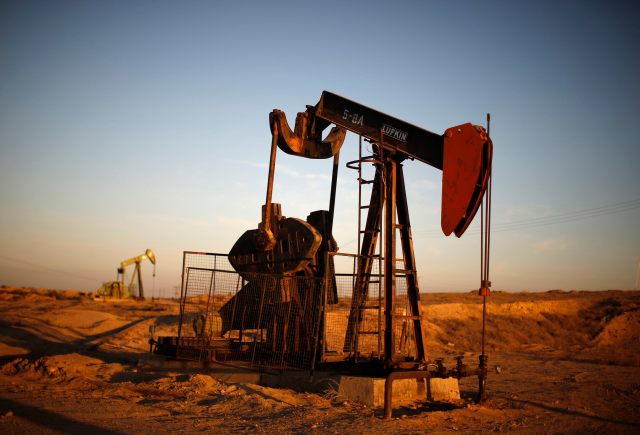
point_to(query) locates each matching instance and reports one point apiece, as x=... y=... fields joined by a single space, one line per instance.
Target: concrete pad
x=444 y=390
x=370 y=391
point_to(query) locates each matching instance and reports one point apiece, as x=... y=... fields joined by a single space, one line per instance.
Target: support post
x=388 y=386
x=140 y=289
x=265 y=239
x=482 y=378
x=334 y=183
x=184 y=285
x=413 y=291
x=389 y=261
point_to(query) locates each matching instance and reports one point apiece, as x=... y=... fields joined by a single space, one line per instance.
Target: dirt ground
x=561 y=362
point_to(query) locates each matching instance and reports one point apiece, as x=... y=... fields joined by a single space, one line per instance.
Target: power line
x=541 y=221
x=555 y=219
x=576 y=215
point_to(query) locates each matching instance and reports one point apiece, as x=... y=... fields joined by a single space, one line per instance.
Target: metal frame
x=393 y=142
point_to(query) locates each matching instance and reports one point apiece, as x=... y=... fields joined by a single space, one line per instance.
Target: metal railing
x=271 y=321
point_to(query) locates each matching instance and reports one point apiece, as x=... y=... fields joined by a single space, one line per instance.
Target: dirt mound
x=620 y=339
x=510 y=326
x=59 y=367
x=89 y=321
x=622 y=330
x=605 y=324
x=203 y=382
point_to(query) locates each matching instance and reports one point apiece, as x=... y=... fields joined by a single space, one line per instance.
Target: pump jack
x=117 y=289
x=464 y=155
x=286 y=264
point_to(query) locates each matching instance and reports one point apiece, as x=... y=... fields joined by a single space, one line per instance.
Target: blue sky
x=134 y=125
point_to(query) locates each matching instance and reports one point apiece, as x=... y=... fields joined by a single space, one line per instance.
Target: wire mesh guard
x=281 y=321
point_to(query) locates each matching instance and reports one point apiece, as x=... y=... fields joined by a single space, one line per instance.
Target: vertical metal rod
x=323 y=332
x=389 y=260
x=328 y=231
x=266 y=224
x=488 y=196
x=485 y=233
x=354 y=276
x=332 y=198
x=484 y=299
x=140 y=288
x=359 y=193
x=380 y=248
x=487 y=239
x=120 y=279
x=358 y=294
x=484 y=319
x=183 y=302
x=215 y=268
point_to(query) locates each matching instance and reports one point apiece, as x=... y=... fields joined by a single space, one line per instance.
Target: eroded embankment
x=605 y=325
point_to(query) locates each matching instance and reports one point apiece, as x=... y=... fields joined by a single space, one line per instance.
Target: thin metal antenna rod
x=485 y=284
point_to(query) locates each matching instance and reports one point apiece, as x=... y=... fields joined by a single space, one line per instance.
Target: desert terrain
x=560 y=362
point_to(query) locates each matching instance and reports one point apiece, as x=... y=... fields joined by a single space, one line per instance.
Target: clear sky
x=133 y=125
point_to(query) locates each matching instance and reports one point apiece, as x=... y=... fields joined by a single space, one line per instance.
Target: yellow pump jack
x=117 y=289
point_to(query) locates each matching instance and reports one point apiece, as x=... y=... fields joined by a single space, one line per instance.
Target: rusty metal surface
x=296 y=244
x=398 y=135
x=306 y=139
x=265 y=239
x=406 y=240
x=282 y=247
x=389 y=264
x=466 y=169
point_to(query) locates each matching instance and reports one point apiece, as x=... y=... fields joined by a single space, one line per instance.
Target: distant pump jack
x=117 y=289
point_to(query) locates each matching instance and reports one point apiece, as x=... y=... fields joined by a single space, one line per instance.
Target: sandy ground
x=568 y=362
